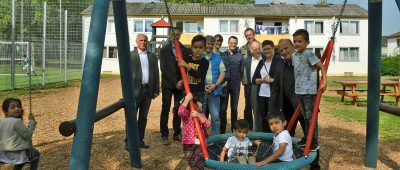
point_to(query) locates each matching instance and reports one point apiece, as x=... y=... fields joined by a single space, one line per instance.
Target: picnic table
x=354 y=93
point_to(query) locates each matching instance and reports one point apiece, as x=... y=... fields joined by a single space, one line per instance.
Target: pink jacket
x=188 y=134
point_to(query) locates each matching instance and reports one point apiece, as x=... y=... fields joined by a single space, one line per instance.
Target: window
x=318 y=51
x=187 y=26
x=143 y=26
x=349 y=27
x=348 y=54
x=112 y=52
x=229 y=26
x=314 y=27
x=111 y=26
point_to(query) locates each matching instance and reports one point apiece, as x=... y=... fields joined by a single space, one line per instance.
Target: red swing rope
x=324 y=59
x=197 y=127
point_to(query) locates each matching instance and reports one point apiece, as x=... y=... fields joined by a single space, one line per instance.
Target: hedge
x=390 y=66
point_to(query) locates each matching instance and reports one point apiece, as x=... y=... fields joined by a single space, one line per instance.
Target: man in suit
x=146 y=81
x=245 y=51
x=250 y=65
x=171 y=83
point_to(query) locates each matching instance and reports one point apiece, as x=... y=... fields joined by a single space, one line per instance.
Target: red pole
x=294 y=117
x=327 y=56
x=191 y=104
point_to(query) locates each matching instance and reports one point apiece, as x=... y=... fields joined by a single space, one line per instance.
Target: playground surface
x=342 y=142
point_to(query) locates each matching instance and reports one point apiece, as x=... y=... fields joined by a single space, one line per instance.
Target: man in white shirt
x=146 y=80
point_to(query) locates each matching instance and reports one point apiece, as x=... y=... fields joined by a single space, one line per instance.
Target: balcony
x=272 y=30
x=273 y=33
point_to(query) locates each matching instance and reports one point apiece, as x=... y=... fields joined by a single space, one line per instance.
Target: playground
x=342 y=135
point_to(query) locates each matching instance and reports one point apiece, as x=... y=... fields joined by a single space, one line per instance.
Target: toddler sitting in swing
x=15 y=138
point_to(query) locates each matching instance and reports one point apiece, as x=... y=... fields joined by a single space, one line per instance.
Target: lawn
x=389 y=128
x=52 y=75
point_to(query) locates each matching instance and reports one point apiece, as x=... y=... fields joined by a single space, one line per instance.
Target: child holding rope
x=15 y=138
x=190 y=140
x=306 y=65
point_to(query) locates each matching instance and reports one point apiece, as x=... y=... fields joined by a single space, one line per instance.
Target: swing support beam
x=82 y=142
x=374 y=81
x=67 y=128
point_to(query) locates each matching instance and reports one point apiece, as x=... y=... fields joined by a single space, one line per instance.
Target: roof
x=397 y=34
x=231 y=9
x=160 y=23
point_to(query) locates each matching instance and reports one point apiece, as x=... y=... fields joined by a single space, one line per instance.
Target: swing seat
x=213 y=163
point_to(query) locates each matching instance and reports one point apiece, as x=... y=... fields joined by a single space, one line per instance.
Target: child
x=15 y=138
x=196 y=66
x=190 y=141
x=282 y=144
x=306 y=65
x=238 y=145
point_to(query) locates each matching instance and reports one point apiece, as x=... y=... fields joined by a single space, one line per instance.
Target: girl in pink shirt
x=190 y=140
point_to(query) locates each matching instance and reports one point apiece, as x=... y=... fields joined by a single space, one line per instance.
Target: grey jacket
x=154 y=78
x=14 y=135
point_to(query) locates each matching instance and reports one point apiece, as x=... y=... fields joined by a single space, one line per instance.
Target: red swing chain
x=324 y=59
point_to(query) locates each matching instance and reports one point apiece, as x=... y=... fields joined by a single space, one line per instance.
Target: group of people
x=273 y=86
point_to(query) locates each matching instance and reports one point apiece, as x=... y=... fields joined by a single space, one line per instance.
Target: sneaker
x=165 y=140
x=177 y=138
x=251 y=159
x=314 y=147
x=242 y=158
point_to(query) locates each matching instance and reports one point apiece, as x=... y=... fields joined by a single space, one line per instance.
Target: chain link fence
x=44 y=35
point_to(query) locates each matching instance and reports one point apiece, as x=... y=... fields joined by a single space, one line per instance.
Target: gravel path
x=342 y=143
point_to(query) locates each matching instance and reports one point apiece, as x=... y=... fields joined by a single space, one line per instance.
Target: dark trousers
x=166 y=106
x=234 y=95
x=288 y=109
x=248 y=115
x=262 y=104
x=142 y=107
x=307 y=106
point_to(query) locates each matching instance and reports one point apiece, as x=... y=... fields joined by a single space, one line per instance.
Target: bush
x=390 y=66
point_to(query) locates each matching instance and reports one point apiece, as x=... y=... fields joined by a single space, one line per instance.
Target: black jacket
x=275 y=60
x=170 y=74
x=154 y=80
x=277 y=87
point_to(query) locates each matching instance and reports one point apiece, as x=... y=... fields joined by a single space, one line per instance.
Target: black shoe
x=143 y=145
x=177 y=138
x=165 y=140
x=314 y=147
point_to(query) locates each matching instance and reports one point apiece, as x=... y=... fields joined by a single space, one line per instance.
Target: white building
x=271 y=21
x=393 y=44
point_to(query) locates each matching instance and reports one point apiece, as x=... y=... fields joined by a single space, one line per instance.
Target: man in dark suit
x=249 y=34
x=250 y=65
x=171 y=83
x=146 y=81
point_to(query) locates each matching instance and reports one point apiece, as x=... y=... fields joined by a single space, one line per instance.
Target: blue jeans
x=212 y=103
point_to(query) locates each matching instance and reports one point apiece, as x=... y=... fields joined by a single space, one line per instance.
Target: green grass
x=52 y=75
x=389 y=125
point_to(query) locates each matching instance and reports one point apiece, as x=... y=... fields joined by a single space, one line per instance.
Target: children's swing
x=214 y=141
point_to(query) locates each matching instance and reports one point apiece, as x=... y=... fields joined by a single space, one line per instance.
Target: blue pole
x=82 y=143
x=374 y=81
x=121 y=28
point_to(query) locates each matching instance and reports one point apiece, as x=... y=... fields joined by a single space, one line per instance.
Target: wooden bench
x=352 y=93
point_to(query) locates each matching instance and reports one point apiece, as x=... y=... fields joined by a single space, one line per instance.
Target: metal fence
x=46 y=35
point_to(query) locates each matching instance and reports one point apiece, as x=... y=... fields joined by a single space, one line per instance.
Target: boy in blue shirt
x=306 y=65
